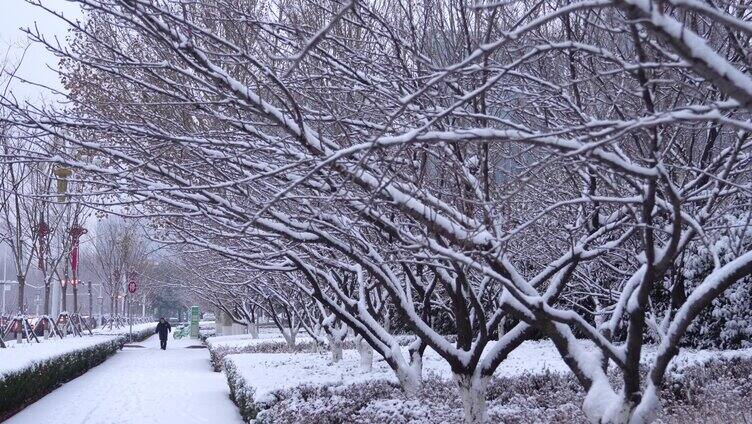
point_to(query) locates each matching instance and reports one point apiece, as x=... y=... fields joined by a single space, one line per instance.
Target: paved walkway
x=141 y=386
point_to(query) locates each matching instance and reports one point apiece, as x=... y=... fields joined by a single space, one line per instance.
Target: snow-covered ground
x=19 y=356
x=241 y=340
x=268 y=372
x=140 y=386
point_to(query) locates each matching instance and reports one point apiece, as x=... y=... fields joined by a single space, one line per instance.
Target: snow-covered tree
x=542 y=163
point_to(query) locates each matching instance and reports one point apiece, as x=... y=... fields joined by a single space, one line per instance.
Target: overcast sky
x=15 y=14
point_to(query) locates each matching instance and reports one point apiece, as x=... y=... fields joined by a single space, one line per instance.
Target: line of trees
x=475 y=175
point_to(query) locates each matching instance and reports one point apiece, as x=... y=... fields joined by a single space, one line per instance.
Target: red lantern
x=44 y=230
x=75 y=233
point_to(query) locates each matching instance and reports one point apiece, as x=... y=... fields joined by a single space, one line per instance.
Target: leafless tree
x=445 y=161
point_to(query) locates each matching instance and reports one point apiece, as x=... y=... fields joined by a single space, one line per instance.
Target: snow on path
x=140 y=386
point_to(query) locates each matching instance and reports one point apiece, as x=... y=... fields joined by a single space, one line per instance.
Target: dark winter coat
x=162 y=329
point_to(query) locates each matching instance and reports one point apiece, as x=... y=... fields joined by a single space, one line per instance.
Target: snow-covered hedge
x=716 y=391
x=268 y=342
x=219 y=352
x=241 y=392
x=19 y=387
x=55 y=362
x=221 y=346
x=533 y=385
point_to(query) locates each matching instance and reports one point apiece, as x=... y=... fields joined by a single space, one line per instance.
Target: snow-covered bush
x=529 y=398
x=18 y=388
x=727 y=323
x=719 y=391
x=240 y=392
x=716 y=391
x=218 y=353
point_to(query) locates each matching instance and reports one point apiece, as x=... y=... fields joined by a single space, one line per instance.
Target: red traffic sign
x=132 y=287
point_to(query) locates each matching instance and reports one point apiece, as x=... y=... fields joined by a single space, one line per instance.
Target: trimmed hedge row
x=217 y=353
x=241 y=392
x=18 y=389
x=21 y=388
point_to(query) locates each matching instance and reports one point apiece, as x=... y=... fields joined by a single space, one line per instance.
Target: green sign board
x=194 y=322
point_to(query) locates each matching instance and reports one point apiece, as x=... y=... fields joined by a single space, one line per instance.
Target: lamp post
x=63 y=292
x=5 y=283
x=4 y=288
x=101 y=305
x=62 y=173
x=56 y=301
x=91 y=300
x=75 y=233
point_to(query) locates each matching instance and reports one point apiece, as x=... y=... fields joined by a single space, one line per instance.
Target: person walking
x=163 y=328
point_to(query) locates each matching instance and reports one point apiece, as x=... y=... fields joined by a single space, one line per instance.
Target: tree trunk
x=21 y=287
x=112 y=310
x=473 y=393
x=289 y=337
x=47 y=292
x=64 y=297
x=253 y=330
x=75 y=297
x=91 y=300
x=335 y=344
x=366 y=354
x=409 y=381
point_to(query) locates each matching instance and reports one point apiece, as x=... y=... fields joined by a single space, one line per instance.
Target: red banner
x=75 y=233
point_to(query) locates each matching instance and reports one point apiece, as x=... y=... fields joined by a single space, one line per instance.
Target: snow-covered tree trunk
x=335 y=345
x=366 y=354
x=253 y=330
x=289 y=336
x=472 y=390
x=409 y=381
x=336 y=336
